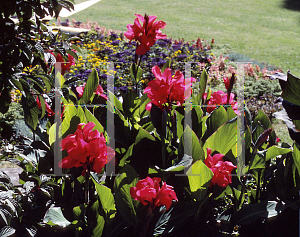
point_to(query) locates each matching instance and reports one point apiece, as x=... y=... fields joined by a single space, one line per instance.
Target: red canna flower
x=148 y=191
x=99 y=91
x=146 y=34
x=220 y=98
x=166 y=88
x=64 y=66
x=86 y=148
x=48 y=108
x=221 y=169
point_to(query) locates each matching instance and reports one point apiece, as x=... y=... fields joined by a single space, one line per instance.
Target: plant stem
x=163 y=137
x=86 y=190
x=148 y=219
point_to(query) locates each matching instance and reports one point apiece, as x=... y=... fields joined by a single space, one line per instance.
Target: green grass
x=260 y=29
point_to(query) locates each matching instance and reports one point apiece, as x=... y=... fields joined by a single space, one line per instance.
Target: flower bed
x=180 y=150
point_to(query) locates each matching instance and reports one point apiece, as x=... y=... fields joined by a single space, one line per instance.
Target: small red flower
x=148 y=191
x=221 y=169
x=86 y=148
x=146 y=34
x=278 y=139
x=99 y=91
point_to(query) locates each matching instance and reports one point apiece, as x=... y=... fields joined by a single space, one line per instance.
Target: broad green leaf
x=136 y=72
x=290 y=89
x=81 y=115
x=54 y=216
x=263 y=119
x=7 y=231
x=42 y=101
x=142 y=133
x=182 y=164
x=197 y=114
x=174 y=219
x=99 y=226
x=180 y=121
x=17 y=84
x=296 y=157
x=251 y=213
x=69 y=112
x=125 y=204
x=130 y=105
x=231 y=113
x=217 y=118
x=261 y=157
x=128 y=154
x=199 y=176
x=90 y=87
x=91 y=118
x=96 y=220
x=202 y=85
x=117 y=103
x=274 y=151
x=31 y=111
x=107 y=199
x=224 y=139
x=193 y=145
x=142 y=107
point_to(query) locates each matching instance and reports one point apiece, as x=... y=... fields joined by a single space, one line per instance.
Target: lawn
x=265 y=30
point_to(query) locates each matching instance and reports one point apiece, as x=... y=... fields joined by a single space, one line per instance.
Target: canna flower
x=146 y=34
x=166 y=88
x=221 y=169
x=220 y=98
x=65 y=66
x=148 y=191
x=99 y=91
x=86 y=148
x=48 y=108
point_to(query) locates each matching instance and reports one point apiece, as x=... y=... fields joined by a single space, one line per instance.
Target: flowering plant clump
x=86 y=148
x=148 y=191
x=65 y=66
x=147 y=34
x=99 y=91
x=166 y=89
x=221 y=169
x=220 y=98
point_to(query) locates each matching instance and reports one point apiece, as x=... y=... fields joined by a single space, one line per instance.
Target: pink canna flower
x=220 y=98
x=148 y=191
x=99 y=91
x=166 y=88
x=221 y=169
x=86 y=148
x=146 y=34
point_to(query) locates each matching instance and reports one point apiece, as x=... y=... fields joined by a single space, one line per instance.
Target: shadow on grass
x=291 y=5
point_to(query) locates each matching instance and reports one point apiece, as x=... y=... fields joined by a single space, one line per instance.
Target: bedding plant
x=156 y=171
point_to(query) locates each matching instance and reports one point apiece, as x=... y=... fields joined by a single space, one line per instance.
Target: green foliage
x=8 y=120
